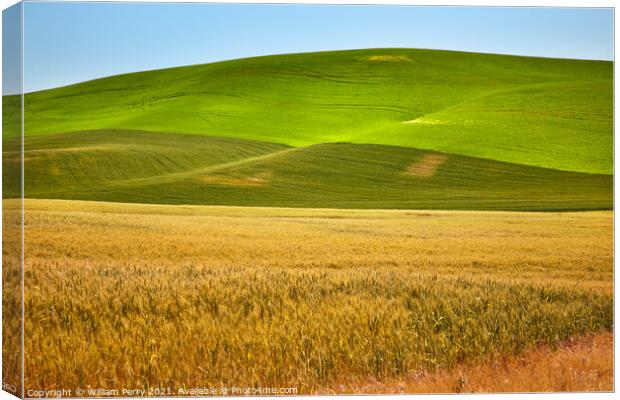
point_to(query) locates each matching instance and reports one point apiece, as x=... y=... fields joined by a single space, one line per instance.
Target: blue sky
x=11 y=50
x=73 y=42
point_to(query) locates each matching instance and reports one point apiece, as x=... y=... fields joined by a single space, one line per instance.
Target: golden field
x=11 y=298
x=579 y=364
x=145 y=296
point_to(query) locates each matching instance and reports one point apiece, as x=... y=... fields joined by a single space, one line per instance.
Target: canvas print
x=287 y=199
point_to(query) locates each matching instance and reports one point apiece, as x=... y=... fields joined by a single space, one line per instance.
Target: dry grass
x=427 y=166
x=11 y=299
x=123 y=295
x=389 y=58
x=579 y=364
x=259 y=179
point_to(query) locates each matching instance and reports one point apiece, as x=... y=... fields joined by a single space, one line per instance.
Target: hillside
x=548 y=113
x=146 y=167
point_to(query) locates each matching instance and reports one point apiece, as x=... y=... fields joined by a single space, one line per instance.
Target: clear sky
x=11 y=50
x=72 y=42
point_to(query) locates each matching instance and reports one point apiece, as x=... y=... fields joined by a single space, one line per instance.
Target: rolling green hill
x=378 y=128
x=541 y=112
x=145 y=167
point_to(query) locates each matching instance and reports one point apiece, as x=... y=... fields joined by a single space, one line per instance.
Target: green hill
x=378 y=128
x=541 y=112
x=144 y=167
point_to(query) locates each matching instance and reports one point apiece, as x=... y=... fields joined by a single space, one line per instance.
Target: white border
x=507 y=3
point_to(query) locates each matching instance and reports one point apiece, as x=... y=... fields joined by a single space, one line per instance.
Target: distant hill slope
x=144 y=167
x=542 y=112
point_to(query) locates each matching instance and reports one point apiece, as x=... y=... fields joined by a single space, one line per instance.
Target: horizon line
x=303 y=52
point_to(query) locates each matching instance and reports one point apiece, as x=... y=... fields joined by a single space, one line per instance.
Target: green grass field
x=142 y=167
x=527 y=110
x=377 y=128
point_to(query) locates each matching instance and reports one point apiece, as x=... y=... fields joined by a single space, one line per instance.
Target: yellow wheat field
x=144 y=296
x=579 y=364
